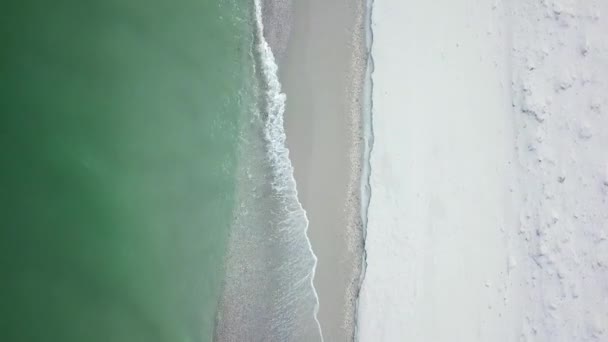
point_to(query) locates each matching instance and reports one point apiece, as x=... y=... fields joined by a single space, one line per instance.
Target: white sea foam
x=283 y=181
x=268 y=290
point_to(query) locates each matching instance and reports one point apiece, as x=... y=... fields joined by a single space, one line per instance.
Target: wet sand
x=321 y=72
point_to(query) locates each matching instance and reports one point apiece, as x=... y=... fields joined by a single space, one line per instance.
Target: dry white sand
x=560 y=92
x=488 y=218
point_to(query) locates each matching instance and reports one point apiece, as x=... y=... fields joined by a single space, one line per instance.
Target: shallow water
x=268 y=291
x=136 y=138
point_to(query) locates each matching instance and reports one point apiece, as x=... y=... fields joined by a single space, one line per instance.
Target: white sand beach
x=488 y=218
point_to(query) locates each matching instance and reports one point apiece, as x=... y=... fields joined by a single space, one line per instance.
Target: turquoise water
x=146 y=191
x=119 y=135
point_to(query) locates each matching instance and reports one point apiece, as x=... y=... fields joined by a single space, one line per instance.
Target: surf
x=268 y=293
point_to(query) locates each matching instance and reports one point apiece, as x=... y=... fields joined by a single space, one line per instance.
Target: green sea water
x=118 y=154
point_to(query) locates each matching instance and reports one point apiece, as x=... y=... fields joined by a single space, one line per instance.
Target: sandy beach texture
x=488 y=217
x=322 y=73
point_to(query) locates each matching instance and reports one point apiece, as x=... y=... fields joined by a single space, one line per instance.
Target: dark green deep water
x=118 y=133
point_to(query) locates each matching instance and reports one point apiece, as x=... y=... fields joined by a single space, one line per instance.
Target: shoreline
x=268 y=291
x=322 y=73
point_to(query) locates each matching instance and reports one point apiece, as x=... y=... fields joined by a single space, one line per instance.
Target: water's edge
x=268 y=291
x=275 y=134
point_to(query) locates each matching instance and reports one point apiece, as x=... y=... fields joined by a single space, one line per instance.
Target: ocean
x=146 y=192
